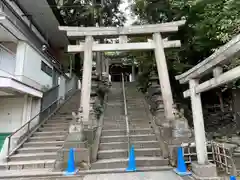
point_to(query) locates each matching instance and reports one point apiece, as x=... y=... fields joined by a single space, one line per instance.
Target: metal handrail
x=27 y=134
x=126 y=113
x=27 y=124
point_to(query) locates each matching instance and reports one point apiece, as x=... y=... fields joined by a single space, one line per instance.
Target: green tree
x=209 y=24
x=90 y=12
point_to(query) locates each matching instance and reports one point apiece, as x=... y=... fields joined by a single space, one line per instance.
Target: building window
x=45 y=68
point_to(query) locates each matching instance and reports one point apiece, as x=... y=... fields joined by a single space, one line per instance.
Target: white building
x=30 y=78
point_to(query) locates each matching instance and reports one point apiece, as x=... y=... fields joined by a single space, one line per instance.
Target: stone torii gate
x=158 y=44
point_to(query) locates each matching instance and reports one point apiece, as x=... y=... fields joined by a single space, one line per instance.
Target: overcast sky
x=124 y=8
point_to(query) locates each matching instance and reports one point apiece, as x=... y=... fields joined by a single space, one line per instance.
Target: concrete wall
x=32 y=67
x=28 y=67
x=11 y=109
x=14 y=112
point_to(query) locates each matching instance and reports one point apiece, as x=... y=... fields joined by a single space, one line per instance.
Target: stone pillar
x=70 y=64
x=163 y=76
x=107 y=65
x=98 y=63
x=123 y=39
x=198 y=122
x=20 y=59
x=27 y=109
x=133 y=73
x=87 y=76
x=103 y=63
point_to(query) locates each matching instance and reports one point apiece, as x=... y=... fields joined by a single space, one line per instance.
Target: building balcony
x=10 y=84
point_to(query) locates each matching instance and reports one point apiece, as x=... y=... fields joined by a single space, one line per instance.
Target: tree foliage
x=90 y=12
x=209 y=24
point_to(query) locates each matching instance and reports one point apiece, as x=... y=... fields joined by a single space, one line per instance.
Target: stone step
x=113 y=117
x=236 y=154
x=43 y=143
x=111 y=122
x=237 y=150
x=56 y=118
x=64 y=113
x=49 y=133
x=61 y=117
x=123 y=126
x=137 y=119
x=124 y=145
x=137 y=113
x=48 y=138
x=57 y=122
x=35 y=164
x=105 y=139
x=123 y=153
x=133 y=122
x=33 y=156
x=116 y=132
x=123 y=162
x=38 y=149
x=123 y=170
x=52 y=128
x=133 y=111
x=137 y=107
x=26 y=174
x=113 y=113
x=56 y=125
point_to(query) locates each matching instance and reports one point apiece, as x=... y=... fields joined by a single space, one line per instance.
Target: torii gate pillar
x=98 y=64
x=163 y=75
x=87 y=76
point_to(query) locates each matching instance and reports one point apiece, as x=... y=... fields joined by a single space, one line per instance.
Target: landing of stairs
x=48 y=174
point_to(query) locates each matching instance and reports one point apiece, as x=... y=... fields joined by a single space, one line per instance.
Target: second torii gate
x=158 y=44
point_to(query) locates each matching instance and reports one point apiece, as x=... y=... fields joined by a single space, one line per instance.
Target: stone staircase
x=113 y=147
x=41 y=148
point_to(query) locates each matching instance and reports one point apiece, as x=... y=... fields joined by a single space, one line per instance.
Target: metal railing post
x=126 y=113
x=9 y=144
x=28 y=127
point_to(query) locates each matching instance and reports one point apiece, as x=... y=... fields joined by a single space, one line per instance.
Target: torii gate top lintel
x=120 y=31
x=81 y=32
